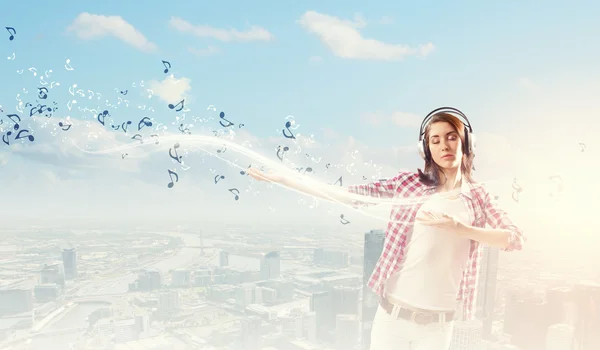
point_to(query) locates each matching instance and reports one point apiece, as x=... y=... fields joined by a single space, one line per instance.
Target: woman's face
x=445 y=145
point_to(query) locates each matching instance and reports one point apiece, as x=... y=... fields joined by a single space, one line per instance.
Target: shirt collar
x=466 y=189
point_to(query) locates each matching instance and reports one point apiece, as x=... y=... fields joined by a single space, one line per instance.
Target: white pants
x=390 y=333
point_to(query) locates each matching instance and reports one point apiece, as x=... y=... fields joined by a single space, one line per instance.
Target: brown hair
x=431 y=175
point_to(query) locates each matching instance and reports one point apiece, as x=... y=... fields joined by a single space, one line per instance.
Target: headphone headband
x=451 y=110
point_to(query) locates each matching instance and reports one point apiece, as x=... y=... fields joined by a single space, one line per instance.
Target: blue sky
x=357 y=75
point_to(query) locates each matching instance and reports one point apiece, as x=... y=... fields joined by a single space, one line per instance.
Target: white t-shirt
x=432 y=268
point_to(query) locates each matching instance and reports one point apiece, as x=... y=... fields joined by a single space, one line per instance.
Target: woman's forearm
x=499 y=238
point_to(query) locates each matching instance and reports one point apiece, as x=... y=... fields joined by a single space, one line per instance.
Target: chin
x=449 y=164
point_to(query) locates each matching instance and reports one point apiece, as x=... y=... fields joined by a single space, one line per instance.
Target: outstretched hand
x=441 y=220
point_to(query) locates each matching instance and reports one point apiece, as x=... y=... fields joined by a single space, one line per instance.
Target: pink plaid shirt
x=407 y=185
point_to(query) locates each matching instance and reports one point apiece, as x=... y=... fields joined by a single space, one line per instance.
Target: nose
x=445 y=145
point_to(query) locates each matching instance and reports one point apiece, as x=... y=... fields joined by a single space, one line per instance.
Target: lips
x=448 y=156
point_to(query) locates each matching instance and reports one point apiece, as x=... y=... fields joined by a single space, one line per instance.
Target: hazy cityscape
x=227 y=288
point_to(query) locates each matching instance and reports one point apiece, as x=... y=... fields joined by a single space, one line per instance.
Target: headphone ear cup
x=472 y=143
x=421 y=149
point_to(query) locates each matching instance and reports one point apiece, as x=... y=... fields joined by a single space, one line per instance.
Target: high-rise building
x=168 y=302
x=467 y=335
x=560 y=337
x=373 y=247
x=181 y=278
x=245 y=294
x=15 y=300
x=347 y=335
x=321 y=304
x=149 y=279
x=270 y=266
x=587 y=299
x=251 y=333
x=486 y=293
x=558 y=299
x=223 y=258
x=53 y=273
x=346 y=300
x=69 y=257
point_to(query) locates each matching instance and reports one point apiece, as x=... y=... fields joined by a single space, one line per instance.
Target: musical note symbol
x=170 y=185
x=102 y=116
x=43 y=93
x=559 y=183
x=279 y=152
x=124 y=92
x=70 y=104
x=218 y=178
x=144 y=122
x=222 y=150
x=343 y=221
x=338 y=180
x=29 y=137
x=123 y=155
x=165 y=63
x=176 y=156
x=33 y=70
x=288 y=125
x=183 y=129
x=517 y=189
x=5 y=137
x=125 y=125
x=137 y=137
x=240 y=126
x=10 y=116
x=583 y=146
x=157 y=139
x=72 y=89
x=222 y=116
x=68 y=65
x=243 y=172
x=171 y=106
x=62 y=125
x=237 y=196
x=364 y=177
x=115 y=127
x=12 y=35
x=12 y=57
x=308 y=169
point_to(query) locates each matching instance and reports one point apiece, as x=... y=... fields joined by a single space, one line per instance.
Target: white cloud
x=88 y=26
x=210 y=50
x=344 y=40
x=255 y=33
x=401 y=119
x=170 y=90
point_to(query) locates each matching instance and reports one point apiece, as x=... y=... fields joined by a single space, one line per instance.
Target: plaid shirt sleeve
x=384 y=188
x=497 y=218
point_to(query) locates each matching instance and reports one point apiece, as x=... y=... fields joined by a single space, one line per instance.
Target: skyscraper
x=69 y=257
x=560 y=337
x=270 y=266
x=467 y=335
x=587 y=298
x=486 y=293
x=374 y=240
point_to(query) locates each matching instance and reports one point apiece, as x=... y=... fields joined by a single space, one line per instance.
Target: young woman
x=426 y=276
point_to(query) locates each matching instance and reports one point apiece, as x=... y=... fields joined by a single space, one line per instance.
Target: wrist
x=464 y=230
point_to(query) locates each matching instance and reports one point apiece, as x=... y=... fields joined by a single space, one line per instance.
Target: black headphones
x=469 y=136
